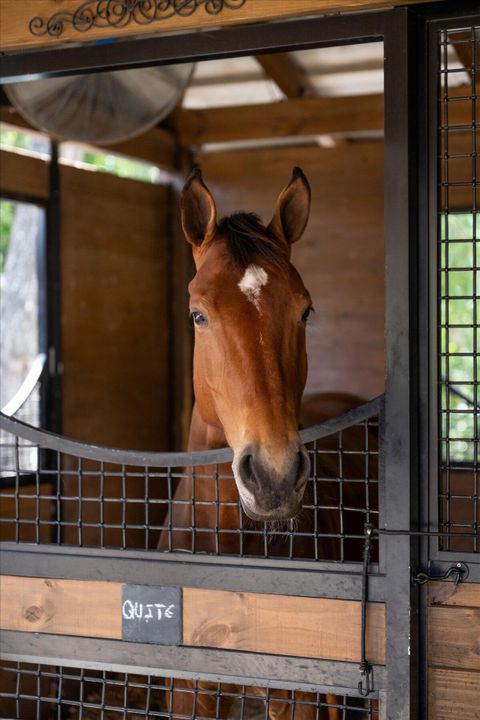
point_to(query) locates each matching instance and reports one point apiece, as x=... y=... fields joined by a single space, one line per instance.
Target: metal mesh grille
x=41 y=691
x=78 y=501
x=459 y=286
x=29 y=413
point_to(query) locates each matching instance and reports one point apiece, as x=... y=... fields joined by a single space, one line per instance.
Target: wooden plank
x=155 y=146
x=454 y=637
x=15 y=18
x=453 y=695
x=461 y=595
x=22 y=174
x=61 y=607
x=282 y=625
x=287 y=74
x=295 y=117
x=305 y=627
x=305 y=116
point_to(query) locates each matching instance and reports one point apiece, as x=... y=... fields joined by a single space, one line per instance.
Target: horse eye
x=199 y=318
x=306 y=314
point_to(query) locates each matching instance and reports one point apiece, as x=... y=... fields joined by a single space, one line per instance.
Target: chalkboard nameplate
x=152 y=614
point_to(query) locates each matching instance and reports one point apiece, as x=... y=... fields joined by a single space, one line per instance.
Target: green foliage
x=116 y=165
x=7 y=214
x=15 y=139
x=123 y=167
x=460 y=367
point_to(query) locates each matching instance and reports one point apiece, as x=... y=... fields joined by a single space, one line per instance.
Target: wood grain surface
x=61 y=607
x=15 y=18
x=306 y=627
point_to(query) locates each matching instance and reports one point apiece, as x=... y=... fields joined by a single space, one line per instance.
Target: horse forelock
x=248 y=240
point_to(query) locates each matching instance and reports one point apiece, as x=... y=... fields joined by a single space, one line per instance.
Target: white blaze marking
x=252 y=282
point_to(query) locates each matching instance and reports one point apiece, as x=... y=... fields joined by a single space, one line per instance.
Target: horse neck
x=207 y=437
x=219 y=492
x=203 y=436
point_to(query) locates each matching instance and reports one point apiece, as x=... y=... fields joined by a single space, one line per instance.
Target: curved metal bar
x=26 y=388
x=100 y=453
x=370 y=409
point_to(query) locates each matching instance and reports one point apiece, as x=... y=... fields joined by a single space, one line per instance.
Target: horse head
x=250 y=307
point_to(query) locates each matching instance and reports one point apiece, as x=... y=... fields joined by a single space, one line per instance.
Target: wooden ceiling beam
x=301 y=116
x=287 y=73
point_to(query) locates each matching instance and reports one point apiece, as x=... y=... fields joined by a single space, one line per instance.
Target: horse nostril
x=246 y=471
x=303 y=470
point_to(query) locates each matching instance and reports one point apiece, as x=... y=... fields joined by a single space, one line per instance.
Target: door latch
x=457 y=573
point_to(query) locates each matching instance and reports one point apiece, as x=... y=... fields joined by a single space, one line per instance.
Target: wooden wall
x=114 y=310
x=115 y=334
x=340 y=256
x=453 y=651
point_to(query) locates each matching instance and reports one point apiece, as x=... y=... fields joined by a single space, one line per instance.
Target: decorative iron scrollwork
x=120 y=13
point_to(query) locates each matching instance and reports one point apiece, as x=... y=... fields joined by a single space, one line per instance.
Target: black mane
x=249 y=240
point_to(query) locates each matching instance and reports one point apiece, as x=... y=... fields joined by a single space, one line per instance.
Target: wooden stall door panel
x=251 y=622
x=306 y=627
x=61 y=607
x=115 y=346
x=454 y=637
x=340 y=256
x=453 y=694
x=447 y=593
x=454 y=651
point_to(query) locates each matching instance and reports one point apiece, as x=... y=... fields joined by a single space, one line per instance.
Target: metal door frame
x=398 y=682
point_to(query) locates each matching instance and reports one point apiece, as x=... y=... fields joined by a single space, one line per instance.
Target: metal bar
x=155 y=459
x=26 y=388
x=365 y=686
x=53 y=395
x=306 y=579
x=400 y=401
x=454 y=12
x=254 y=39
x=240 y=668
x=11 y=482
x=23 y=198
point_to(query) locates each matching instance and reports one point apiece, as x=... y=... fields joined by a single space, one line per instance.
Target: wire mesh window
x=77 y=501
x=42 y=691
x=459 y=287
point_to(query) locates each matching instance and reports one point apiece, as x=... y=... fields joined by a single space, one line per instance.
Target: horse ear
x=197 y=210
x=292 y=209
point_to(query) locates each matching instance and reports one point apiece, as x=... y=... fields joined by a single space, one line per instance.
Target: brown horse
x=250 y=308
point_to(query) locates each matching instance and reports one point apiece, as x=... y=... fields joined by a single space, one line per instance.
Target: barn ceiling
x=325 y=72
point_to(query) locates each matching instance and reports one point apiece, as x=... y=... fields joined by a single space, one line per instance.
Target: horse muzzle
x=271 y=492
